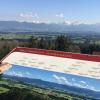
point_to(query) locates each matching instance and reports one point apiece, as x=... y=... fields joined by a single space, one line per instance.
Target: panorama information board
x=70 y=72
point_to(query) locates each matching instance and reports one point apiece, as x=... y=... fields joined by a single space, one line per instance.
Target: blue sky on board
x=61 y=78
x=86 y=11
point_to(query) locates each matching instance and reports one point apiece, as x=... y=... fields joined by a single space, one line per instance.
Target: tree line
x=61 y=43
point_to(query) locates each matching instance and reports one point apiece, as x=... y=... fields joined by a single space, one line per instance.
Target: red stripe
x=58 y=54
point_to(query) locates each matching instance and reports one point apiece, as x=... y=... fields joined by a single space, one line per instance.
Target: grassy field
x=3 y=90
x=76 y=39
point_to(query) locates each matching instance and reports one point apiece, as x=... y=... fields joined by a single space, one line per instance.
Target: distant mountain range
x=46 y=27
x=66 y=88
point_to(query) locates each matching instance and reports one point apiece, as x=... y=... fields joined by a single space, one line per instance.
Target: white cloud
x=36 y=21
x=13 y=73
x=65 y=80
x=32 y=17
x=29 y=15
x=73 y=22
x=20 y=74
x=82 y=82
x=61 y=15
x=57 y=78
x=77 y=22
x=67 y=22
x=61 y=80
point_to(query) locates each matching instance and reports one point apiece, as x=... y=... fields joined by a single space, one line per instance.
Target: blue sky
x=87 y=11
x=60 y=78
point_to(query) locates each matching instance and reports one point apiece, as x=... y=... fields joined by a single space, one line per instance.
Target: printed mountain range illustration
x=54 y=80
x=51 y=85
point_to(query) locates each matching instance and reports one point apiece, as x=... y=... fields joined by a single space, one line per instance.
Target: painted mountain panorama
x=54 y=80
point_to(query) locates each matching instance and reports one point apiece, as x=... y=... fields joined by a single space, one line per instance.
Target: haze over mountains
x=48 y=27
